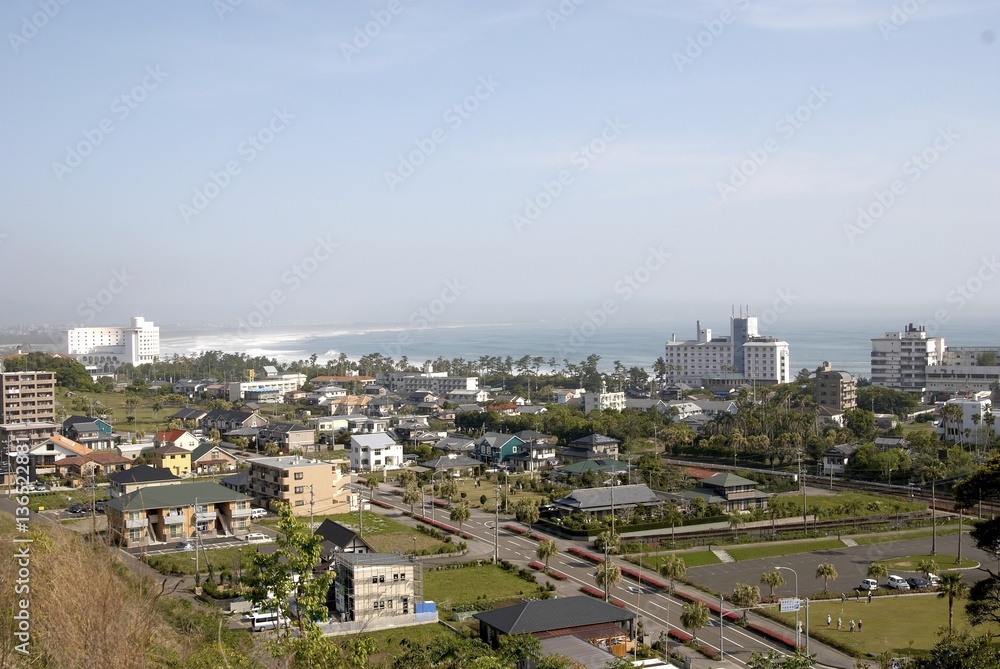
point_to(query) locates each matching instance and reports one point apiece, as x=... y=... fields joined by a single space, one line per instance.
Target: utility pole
x=722 y=636
x=496 y=527
x=802 y=482
x=311 y=502
x=93 y=502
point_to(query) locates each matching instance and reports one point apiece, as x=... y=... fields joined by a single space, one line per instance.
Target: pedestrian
x=840 y=623
x=852 y=627
x=857 y=595
x=843 y=598
x=829 y=619
x=859 y=625
x=869 y=596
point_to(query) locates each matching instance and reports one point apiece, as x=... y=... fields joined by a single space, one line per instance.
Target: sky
x=312 y=162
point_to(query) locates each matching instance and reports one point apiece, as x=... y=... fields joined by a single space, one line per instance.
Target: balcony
x=173 y=519
x=204 y=516
x=240 y=513
x=136 y=524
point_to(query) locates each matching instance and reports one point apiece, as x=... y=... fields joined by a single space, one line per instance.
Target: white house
x=375 y=452
x=979 y=406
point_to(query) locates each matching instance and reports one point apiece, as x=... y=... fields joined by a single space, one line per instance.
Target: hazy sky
x=361 y=161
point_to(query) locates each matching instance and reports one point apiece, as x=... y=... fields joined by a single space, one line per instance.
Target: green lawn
x=943 y=561
x=836 y=506
x=450 y=587
x=867 y=540
x=771 y=550
x=386 y=535
x=906 y=624
x=691 y=559
x=183 y=563
x=388 y=642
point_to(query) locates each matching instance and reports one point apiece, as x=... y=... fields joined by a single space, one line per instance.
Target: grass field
x=777 y=549
x=450 y=587
x=867 y=540
x=183 y=563
x=848 y=504
x=387 y=642
x=385 y=534
x=903 y=625
x=943 y=561
x=691 y=559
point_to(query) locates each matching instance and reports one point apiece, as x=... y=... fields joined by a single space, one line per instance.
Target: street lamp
x=796 y=604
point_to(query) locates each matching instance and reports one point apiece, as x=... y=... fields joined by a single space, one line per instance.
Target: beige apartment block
x=27 y=397
x=305 y=484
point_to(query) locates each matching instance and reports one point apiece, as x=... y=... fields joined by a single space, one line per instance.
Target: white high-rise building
x=102 y=350
x=744 y=351
x=603 y=400
x=900 y=359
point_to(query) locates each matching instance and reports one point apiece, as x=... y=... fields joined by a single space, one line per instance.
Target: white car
x=255 y=537
x=256 y=513
x=898 y=583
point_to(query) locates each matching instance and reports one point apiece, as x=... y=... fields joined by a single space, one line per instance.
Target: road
x=658 y=610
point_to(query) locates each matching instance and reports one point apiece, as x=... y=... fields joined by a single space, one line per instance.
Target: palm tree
x=745 y=596
x=878 y=570
x=460 y=514
x=608 y=575
x=927 y=567
x=735 y=520
x=411 y=496
x=694 y=617
x=953 y=587
x=673 y=567
x=772 y=579
x=546 y=549
x=608 y=542
x=826 y=571
x=933 y=470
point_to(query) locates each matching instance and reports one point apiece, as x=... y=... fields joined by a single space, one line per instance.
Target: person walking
x=829 y=619
x=857 y=595
x=852 y=627
x=869 y=596
x=840 y=623
x=859 y=625
x=843 y=598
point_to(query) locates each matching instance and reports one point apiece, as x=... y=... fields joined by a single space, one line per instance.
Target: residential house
x=731 y=492
x=454 y=463
x=351 y=404
x=195 y=416
x=180 y=438
x=494 y=448
x=531 y=410
x=44 y=457
x=173 y=513
x=456 y=444
x=374 y=452
x=604 y=500
x=591 y=447
x=467 y=396
x=306 y=485
x=209 y=458
x=93 y=433
x=516 y=400
x=466 y=408
x=95 y=463
x=339 y=538
x=837 y=459
x=534 y=455
x=287 y=436
x=567 y=395
x=240 y=482
x=973 y=409
x=139 y=477
x=367 y=424
x=603 y=400
x=604 y=468
x=226 y=421
x=330 y=424
x=174 y=458
x=592 y=620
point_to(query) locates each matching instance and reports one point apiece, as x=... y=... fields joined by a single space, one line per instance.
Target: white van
x=255 y=537
x=266 y=620
x=257 y=513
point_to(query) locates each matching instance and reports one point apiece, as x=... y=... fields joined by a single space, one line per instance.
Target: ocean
x=844 y=343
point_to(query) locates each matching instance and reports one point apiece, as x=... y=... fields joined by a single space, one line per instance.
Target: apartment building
x=27 y=397
x=302 y=483
x=900 y=359
x=835 y=390
x=603 y=400
x=102 y=350
x=438 y=383
x=175 y=513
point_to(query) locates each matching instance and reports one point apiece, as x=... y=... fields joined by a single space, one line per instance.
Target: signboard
x=788 y=605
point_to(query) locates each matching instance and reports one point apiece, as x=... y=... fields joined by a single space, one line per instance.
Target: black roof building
x=550 y=615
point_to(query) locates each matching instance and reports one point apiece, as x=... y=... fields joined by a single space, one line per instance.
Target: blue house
x=494 y=448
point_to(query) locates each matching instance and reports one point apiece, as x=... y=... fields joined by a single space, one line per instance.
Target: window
x=374 y=579
x=300 y=502
x=299 y=489
x=298 y=476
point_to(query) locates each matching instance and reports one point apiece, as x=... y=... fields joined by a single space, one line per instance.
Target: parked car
x=99 y=507
x=916 y=582
x=255 y=537
x=933 y=580
x=256 y=512
x=39 y=486
x=868 y=584
x=74 y=508
x=185 y=546
x=266 y=620
x=897 y=583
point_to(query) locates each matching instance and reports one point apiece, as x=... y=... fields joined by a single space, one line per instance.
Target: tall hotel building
x=744 y=352
x=104 y=350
